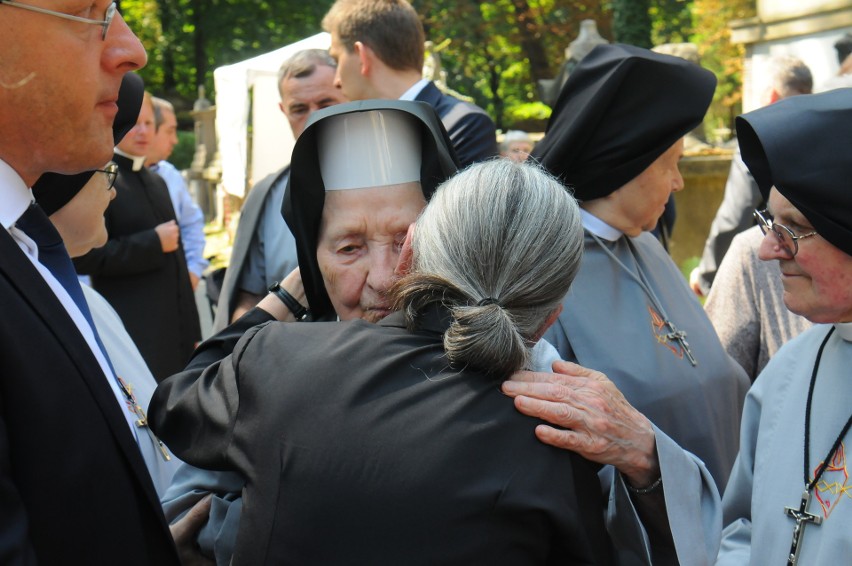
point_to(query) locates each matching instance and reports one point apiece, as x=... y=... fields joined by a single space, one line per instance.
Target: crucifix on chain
x=142 y=419
x=802 y=518
x=679 y=336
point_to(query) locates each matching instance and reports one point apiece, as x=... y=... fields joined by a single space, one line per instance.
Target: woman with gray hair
x=409 y=453
x=502 y=273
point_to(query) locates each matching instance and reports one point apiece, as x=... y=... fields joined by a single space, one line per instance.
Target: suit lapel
x=36 y=293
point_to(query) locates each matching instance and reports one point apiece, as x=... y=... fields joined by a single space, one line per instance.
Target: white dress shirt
x=16 y=197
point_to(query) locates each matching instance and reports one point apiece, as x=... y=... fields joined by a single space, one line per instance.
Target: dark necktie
x=53 y=255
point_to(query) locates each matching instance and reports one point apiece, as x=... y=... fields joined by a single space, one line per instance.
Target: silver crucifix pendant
x=679 y=336
x=802 y=517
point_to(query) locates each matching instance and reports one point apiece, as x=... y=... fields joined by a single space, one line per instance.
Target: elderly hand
x=293 y=285
x=185 y=530
x=601 y=425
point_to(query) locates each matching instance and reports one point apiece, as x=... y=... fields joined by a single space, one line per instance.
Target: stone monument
x=574 y=53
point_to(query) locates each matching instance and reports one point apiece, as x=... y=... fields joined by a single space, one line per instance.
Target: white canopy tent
x=254 y=80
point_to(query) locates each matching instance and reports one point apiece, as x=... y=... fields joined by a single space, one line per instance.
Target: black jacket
x=73 y=486
x=470 y=129
x=360 y=445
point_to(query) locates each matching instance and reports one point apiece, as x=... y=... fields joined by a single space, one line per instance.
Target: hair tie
x=487 y=301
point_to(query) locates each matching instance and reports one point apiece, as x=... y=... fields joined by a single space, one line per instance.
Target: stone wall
x=776 y=10
x=704 y=179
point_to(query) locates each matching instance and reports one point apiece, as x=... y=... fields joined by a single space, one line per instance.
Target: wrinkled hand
x=185 y=531
x=169 y=235
x=293 y=284
x=601 y=425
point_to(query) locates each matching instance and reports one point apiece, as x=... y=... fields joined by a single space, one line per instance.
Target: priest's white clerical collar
x=138 y=162
x=414 y=90
x=598 y=227
x=844 y=329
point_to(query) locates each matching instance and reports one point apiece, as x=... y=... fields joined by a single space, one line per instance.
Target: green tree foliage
x=671 y=21
x=187 y=39
x=725 y=59
x=499 y=49
x=631 y=22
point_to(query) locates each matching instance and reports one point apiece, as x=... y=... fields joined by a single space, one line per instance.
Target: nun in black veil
x=615 y=139
x=403 y=152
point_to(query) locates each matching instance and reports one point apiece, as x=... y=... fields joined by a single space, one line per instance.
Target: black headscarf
x=305 y=195
x=52 y=191
x=621 y=109
x=802 y=146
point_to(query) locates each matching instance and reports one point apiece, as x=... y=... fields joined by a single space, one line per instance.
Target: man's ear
x=365 y=56
x=406 y=255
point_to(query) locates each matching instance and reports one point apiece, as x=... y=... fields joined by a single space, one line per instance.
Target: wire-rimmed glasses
x=111 y=172
x=110 y=13
x=786 y=237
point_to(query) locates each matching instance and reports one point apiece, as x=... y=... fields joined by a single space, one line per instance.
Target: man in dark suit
x=378 y=46
x=73 y=485
x=264 y=249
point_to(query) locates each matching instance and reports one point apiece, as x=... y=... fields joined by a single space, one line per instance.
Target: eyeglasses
x=110 y=13
x=111 y=172
x=786 y=237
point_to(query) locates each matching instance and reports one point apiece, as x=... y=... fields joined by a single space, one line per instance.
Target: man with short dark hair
x=189 y=217
x=378 y=46
x=264 y=249
x=73 y=484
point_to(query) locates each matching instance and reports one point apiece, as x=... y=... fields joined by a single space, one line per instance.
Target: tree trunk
x=531 y=41
x=494 y=80
x=168 y=23
x=199 y=43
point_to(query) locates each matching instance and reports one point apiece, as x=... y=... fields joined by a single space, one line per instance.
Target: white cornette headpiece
x=369 y=149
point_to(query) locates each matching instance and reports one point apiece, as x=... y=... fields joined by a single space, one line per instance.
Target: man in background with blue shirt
x=189 y=216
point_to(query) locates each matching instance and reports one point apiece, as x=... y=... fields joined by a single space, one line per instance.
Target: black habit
x=375 y=451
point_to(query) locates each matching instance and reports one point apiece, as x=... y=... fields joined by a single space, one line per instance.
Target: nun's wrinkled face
x=818 y=280
x=360 y=238
x=60 y=82
x=81 y=221
x=638 y=205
